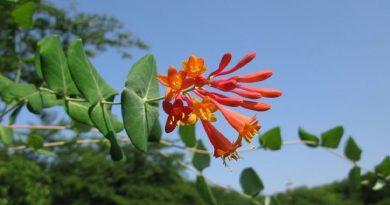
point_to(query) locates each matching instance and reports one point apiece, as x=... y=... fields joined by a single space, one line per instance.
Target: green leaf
x=4 y=82
x=250 y=182
x=35 y=141
x=200 y=160
x=384 y=167
x=37 y=62
x=85 y=76
x=34 y=102
x=308 y=137
x=5 y=135
x=187 y=135
x=205 y=191
x=354 y=178
x=108 y=126
x=80 y=127
x=22 y=15
x=138 y=114
x=156 y=133
x=332 y=137
x=50 y=99
x=379 y=184
x=79 y=111
x=352 y=150
x=271 y=139
x=55 y=67
x=271 y=200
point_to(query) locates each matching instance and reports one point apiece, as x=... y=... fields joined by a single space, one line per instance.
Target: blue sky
x=330 y=58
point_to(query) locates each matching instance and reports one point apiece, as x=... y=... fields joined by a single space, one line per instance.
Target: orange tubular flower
x=246 y=127
x=194 y=66
x=222 y=147
x=175 y=81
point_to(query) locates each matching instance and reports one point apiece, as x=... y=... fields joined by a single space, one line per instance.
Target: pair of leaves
x=329 y=139
x=139 y=113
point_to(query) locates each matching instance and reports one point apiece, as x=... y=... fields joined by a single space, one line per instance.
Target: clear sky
x=330 y=58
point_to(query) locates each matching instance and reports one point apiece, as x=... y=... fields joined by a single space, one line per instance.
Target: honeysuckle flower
x=175 y=81
x=222 y=147
x=194 y=66
x=177 y=112
x=190 y=80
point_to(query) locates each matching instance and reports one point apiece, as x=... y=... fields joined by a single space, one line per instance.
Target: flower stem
x=155 y=99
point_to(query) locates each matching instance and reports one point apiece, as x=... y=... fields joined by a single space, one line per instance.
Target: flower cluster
x=187 y=100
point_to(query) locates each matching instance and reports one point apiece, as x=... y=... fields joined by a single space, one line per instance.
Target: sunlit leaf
x=4 y=82
x=384 y=167
x=5 y=135
x=271 y=200
x=27 y=92
x=138 y=114
x=46 y=152
x=50 y=99
x=250 y=182
x=379 y=184
x=311 y=139
x=55 y=67
x=200 y=160
x=107 y=125
x=187 y=135
x=85 y=76
x=271 y=139
x=205 y=191
x=354 y=178
x=22 y=15
x=352 y=150
x=332 y=137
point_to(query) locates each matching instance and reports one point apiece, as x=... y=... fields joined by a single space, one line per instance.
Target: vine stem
x=163 y=142
x=6 y=111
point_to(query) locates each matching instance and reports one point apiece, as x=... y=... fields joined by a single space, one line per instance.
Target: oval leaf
x=271 y=139
x=332 y=137
x=205 y=191
x=105 y=123
x=352 y=150
x=187 y=135
x=79 y=111
x=85 y=76
x=138 y=114
x=250 y=182
x=156 y=133
x=22 y=15
x=310 y=140
x=384 y=167
x=200 y=160
x=5 y=135
x=55 y=67
x=354 y=178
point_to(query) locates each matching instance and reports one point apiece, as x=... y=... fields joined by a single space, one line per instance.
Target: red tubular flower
x=256 y=106
x=254 y=77
x=177 y=112
x=222 y=65
x=248 y=58
x=175 y=81
x=224 y=84
x=265 y=92
x=247 y=94
x=224 y=100
x=222 y=147
x=246 y=127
